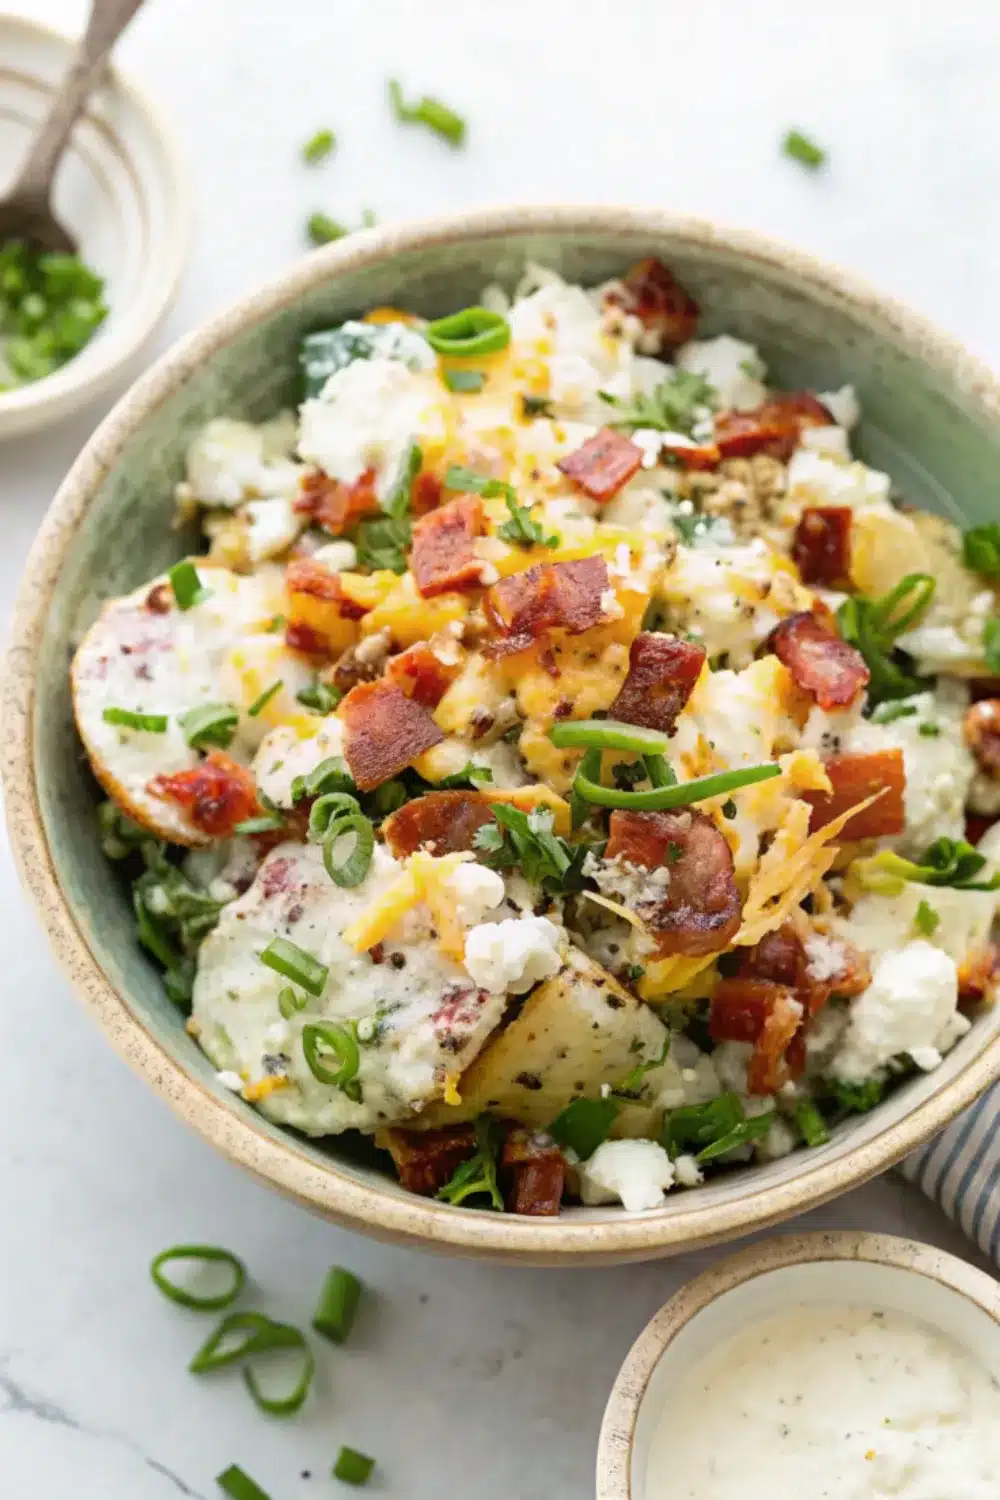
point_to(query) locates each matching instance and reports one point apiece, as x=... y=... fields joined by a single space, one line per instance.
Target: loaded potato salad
x=566 y=764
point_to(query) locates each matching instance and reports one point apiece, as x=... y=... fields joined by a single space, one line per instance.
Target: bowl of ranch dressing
x=841 y=1366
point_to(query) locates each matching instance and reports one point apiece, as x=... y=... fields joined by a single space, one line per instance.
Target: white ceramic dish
x=121 y=189
x=895 y=1275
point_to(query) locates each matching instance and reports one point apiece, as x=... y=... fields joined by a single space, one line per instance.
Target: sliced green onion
x=888 y=713
x=681 y=795
x=318 y=1036
x=290 y=1002
x=811 y=1124
x=464 y=381
x=903 y=605
x=318 y=146
x=337 y=1305
x=926 y=919
x=260 y=703
x=239 y=1335
x=322 y=230
x=294 y=963
x=427 y=111
x=801 y=149
x=186 y=584
x=353 y=1467
x=981 y=549
x=209 y=1255
x=658 y=771
x=287 y=1405
x=268 y=822
x=151 y=723
x=463 y=335
x=608 y=734
x=331 y=775
x=238 y=1484
x=326 y=810
x=584 y=1125
x=210 y=724
x=335 y=816
x=319 y=696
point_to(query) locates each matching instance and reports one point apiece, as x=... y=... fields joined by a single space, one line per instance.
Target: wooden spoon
x=26 y=211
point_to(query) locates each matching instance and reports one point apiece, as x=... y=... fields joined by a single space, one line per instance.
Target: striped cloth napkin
x=960 y=1170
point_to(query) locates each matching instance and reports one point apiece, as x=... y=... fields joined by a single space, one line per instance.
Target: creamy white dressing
x=831 y=1403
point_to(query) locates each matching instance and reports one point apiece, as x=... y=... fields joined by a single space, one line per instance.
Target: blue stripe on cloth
x=960 y=1170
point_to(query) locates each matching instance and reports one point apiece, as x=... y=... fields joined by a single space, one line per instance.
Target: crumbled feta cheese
x=229 y=461
x=339 y=556
x=513 y=955
x=687 y=1171
x=843 y=406
x=284 y=755
x=965 y=919
x=780 y=1140
x=831 y=441
x=633 y=1173
x=277 y=1034
x=273 y=526
x=734 y=369
x=366 y=417
x=731 y=1061
x=825 y=957
x=230 y=1080
x=817 y=479
x=909 y=1007
x=476 y=890
x=651 y=442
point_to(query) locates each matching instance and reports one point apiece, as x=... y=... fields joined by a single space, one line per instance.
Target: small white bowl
x=121 y=189
x=875 y=1270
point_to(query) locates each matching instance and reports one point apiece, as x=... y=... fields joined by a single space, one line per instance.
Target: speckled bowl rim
x=614 y=1449
x=328 y=1188
x=127 y=334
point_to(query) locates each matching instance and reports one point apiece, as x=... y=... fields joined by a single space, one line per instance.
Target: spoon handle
x=107 y=21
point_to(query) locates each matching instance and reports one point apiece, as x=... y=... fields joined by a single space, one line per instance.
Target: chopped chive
x=926 y=919
x=322 y=230
x=464 y=380
x=238 y=1484
x=260 y=703
x=353 y=1467
x=337 y=1305
x=151 y=723
x=267 y=822
x=427 y=111
x=465 y=334
x=210 y=1255
x=928 y=730
x=318 y=146
x=801 y=149
x=210 y=724
x=811 y=1124
x=321 y=1037
x=187 y=585
x=888 y=713
x=294 y=963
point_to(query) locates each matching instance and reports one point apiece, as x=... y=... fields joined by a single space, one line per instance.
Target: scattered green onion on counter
x=322 y=230
x=318 y=147
x=338 y=1304
x=427 y=111
x=801 y=149
x=353 y=1467
x=207 y=1255
x=238 y=1484
x=294 y=963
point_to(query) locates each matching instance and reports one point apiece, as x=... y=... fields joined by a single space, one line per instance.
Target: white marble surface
x=462 y=1379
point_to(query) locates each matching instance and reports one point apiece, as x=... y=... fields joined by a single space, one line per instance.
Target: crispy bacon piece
x=780 y=957
x=774 y=427
x=447 y=822
x=667 y=312
x=444 y=547
x=604 y=463
x=976 y=825
x=764 y=1013
x=662 y=672
x=701 y=909
x=697 y=458
x=334 y=505
x=425 y=492
x=535 y=1172
x=825 y=666
x=524 y=606
x=304 y=575
x=422 y=675
x=977 y=977
x=384 y=731
x=217 y=794
x=856 y=775
x=981 y=730
x=427 y=1159
x=822 y=545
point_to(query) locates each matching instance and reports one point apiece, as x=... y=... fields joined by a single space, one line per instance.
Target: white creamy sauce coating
x=432 y=1018
x=169 y=661
x=830 y=1403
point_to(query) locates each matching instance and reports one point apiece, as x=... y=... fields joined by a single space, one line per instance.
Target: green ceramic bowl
x=931 y=420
